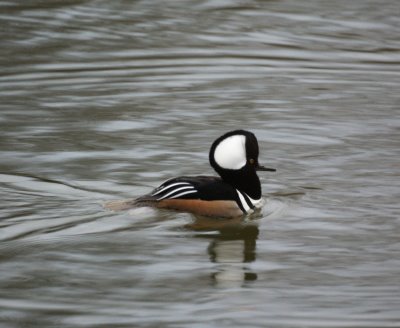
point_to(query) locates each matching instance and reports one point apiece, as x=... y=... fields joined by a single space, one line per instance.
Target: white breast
x=257 y=203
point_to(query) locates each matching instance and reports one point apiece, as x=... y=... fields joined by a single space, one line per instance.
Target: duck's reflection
x=232 y=249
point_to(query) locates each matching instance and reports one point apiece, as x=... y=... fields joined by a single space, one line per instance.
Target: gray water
x=103 y=100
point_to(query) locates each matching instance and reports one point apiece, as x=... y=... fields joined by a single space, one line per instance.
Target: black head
x=234 y=156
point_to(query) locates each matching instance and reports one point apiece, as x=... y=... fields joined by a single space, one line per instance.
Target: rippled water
x=104 y=100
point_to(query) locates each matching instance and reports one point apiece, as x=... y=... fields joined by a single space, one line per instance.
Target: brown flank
x=221 y=208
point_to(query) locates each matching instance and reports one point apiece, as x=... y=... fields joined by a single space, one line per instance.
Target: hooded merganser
x=234 y=156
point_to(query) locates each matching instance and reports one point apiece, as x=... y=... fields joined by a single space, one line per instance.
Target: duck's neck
x=245 y=181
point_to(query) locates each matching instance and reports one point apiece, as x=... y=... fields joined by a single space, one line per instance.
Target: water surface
x=104 y=100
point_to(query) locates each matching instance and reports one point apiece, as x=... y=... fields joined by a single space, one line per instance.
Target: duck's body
x=203 y=195
x=237 y=192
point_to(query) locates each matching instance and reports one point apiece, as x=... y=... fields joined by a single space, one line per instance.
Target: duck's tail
x=126 y=204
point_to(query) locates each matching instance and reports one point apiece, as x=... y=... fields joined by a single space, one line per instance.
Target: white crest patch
x=231 y=152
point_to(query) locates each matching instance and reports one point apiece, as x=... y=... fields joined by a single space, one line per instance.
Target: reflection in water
x=231 y=248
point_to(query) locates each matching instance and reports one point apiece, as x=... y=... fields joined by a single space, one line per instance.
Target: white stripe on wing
x=169 y=186
x=176 y=190
x=183 y=193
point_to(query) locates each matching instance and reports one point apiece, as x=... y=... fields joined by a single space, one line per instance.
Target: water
x=104 y=100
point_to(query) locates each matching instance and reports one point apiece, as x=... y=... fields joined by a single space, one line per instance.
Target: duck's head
x=234 y=156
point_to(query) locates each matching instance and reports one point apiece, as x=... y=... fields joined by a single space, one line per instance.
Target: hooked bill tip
x=263 y=168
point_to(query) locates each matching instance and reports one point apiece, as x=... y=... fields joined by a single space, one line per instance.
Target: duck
x=236 y=191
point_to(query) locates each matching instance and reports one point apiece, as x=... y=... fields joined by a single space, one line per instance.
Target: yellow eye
x=251 y=161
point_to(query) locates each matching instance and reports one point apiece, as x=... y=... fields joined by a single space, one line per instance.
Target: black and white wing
x=174 y=188
x=178 y=193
